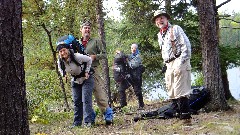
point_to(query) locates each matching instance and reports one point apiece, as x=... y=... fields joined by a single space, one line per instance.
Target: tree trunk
x=210 y=53
x=13 y=102
x=227 y=92
x=102 y=36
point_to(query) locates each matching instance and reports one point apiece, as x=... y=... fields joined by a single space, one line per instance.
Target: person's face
x=86 y=31
x=63 y=53
x=161 y=21
x=133 y=49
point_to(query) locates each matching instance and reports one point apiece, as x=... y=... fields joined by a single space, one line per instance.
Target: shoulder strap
x=62 y=66
x=173 y=40
x=76 y=45
x=72 y=56
x=171 y=33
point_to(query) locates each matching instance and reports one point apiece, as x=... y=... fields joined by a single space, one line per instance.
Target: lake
x=234 y=85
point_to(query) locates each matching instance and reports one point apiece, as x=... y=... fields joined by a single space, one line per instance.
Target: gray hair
x=134 y=45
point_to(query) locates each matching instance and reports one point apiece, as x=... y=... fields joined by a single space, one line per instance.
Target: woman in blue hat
x=78 y=66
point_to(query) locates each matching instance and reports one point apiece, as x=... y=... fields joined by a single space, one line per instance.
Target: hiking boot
x=184 y=108
x=108 y=115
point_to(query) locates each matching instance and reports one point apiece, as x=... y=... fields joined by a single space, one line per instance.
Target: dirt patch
x=213 y=123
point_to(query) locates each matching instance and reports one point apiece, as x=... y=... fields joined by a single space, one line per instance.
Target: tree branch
x=229 y=27
x=217 y=7
x=230 y=20
x=39 y=7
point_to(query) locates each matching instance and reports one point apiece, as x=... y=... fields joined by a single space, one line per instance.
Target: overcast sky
x=113 y=5
x=231 y=6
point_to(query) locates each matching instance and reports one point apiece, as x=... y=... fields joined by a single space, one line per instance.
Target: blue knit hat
x=61 y=46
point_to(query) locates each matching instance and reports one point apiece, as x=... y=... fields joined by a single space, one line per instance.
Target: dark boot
x=174 y=109
x=184 y=109
x=140 y=101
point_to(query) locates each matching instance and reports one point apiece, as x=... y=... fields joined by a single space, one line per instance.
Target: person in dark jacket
x=134 y=79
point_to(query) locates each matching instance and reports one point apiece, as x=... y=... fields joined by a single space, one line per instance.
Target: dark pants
x=82 y=100
x=136 y=81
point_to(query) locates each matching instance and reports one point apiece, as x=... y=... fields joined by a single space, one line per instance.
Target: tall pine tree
x=210 y=53
x=13 y=108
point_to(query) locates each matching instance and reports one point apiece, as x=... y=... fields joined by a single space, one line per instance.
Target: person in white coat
x=176 y=54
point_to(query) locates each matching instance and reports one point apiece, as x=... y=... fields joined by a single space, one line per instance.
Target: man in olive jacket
x=94 y=48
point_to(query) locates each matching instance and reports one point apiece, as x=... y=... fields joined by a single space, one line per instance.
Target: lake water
x=234 y=86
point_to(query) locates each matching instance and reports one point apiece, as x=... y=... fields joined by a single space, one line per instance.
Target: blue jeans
x=82 y=100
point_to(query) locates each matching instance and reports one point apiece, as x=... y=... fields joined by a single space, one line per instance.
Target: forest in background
x=42 y=19
x=36 y=100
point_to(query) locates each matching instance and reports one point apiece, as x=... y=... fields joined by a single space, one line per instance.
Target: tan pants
x=178 y=79
x=100 y=92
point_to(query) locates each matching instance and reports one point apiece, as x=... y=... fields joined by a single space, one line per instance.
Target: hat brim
x=163 y=14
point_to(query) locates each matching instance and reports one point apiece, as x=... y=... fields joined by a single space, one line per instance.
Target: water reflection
x=234 y=86
x=234 y=82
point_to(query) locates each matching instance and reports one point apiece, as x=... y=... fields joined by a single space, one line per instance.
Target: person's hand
x=93 y=57
x=86 y=75
x=164 y=68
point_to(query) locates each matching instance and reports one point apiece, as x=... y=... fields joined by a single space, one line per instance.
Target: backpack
x=73 y=43
x=75 y=47
x=134 y=61
x=120 y=68
x=197 y=100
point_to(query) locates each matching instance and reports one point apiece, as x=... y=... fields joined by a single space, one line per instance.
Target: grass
x=213 y=123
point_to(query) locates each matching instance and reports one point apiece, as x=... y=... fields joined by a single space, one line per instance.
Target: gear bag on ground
x=197 y=100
